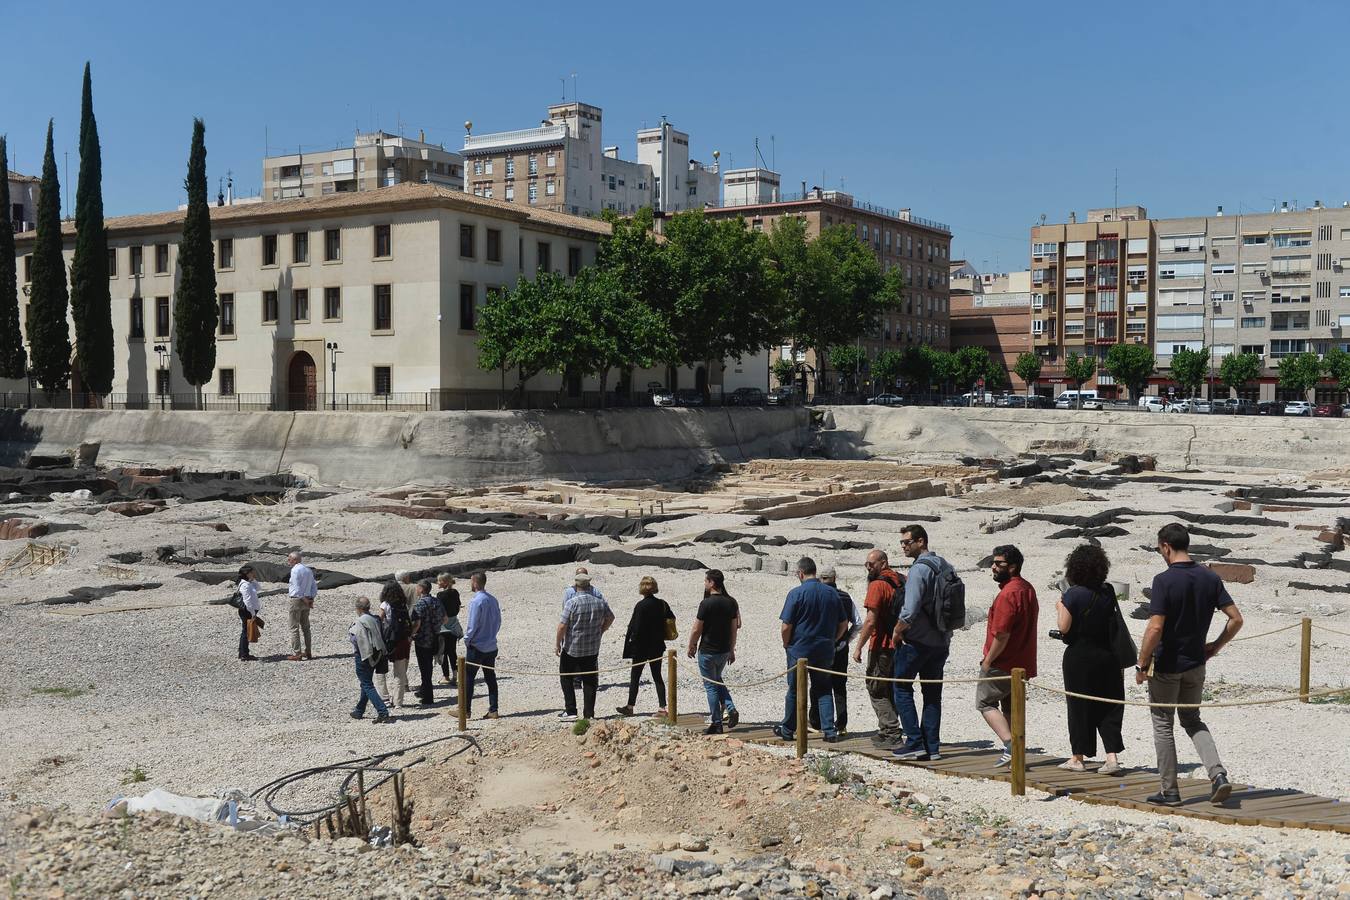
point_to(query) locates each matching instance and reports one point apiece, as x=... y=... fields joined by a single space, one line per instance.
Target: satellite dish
x=1042 y=218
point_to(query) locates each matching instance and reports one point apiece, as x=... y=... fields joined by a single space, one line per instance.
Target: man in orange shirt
x=1009 y=643
x=884 y=585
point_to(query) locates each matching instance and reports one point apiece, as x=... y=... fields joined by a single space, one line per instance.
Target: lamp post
x=333 y=351
x=163 y=353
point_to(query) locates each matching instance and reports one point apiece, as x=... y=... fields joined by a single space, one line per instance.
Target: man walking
x=368 y=647
x=480 y=642
x=572 y=588
x=585 y=619
x=848 y=613
x=885 y=589
x=302 y=591
x=713 y=639
x=921 y=649
x=810 y=629
x=1009 y=643
x=1173 y=654
x=427 y=613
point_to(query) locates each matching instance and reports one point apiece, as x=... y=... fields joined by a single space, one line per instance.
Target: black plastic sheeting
x=90 y=594
x=276 y=573
x=110 y=485
x=1100 y=531
x=1327 y=588
x=889 y=517
x=604 y=526
x=623 y=558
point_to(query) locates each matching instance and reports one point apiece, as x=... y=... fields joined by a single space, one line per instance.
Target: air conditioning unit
x=1138 y=339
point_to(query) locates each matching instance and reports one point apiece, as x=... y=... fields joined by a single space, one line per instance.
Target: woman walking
x=451 y=629
x=646 y=640
x=1087 y=619
x=397 y=628
x=250 y=609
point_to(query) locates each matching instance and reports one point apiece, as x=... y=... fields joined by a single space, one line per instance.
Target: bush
x=581 y=727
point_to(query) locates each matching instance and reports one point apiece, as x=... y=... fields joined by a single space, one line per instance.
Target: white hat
x=827 y=573
x=582 y=578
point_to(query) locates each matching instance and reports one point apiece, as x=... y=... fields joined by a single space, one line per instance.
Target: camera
x=1058 y=635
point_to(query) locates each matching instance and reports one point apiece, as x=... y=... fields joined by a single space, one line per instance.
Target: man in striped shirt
x=585 y=618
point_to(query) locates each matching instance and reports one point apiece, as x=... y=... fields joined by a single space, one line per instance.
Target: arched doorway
x=302 y=389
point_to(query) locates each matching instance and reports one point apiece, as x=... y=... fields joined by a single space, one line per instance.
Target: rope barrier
x=810 y=668
x=623 y=668
x=1332 y=630
x=748 y=684
x=1220 y=705
x=1252 y=637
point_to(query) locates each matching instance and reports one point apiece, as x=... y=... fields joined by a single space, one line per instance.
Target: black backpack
x=398 y=626
x=947 y=607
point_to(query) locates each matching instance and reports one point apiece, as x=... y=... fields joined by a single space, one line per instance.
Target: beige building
x=375 y=160
x=23 y=201
x=993 y=311
x=391 y=279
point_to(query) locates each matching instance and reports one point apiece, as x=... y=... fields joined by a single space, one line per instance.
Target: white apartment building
x=679 y=182
x=23 y=201
x=374 y=160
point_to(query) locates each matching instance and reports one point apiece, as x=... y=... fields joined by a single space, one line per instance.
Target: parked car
x=746 y=396
x=1326 y=411
x=1270 y=408
x=1241 y=407
x=1153 y=404
x=688 y=397
x=886 y=400
x=1013 y=401
x=1072 y=399
x=662 y=396
x=1180 y=406
x=1039 y=401
x=1200 y=405
x=1093 y=403
x=1298 y=408
x=782 y=396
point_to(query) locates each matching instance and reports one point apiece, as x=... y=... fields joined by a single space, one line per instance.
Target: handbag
x=1122 y=642
x=255 y=627
x=454 y=629
x=672 y=629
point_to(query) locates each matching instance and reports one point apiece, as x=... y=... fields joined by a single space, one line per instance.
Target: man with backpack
x=934 y=606
x=885 y=588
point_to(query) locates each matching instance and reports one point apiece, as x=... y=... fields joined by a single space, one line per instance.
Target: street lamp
x=333 y=351
x=163 y=353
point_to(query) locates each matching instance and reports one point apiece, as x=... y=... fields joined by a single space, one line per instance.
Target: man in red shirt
x=884 y=590
x=1009 y=643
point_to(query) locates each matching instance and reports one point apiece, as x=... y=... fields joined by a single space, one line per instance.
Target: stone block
x=18 y=529
x=1234 y=573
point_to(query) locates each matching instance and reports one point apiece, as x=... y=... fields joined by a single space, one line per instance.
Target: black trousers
x=635 y=679
x=839 y=688
x=244 y=616
x=567 y=664
x=449 y=657
x=1092 y=669
x=426 y=664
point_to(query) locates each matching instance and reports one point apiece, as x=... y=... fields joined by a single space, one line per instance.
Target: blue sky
x=981 y=115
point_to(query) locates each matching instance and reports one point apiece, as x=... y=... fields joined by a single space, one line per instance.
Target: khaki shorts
x=993 y=694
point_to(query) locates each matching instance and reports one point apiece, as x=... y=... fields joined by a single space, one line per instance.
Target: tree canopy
x=1028 y=368
x=1130 y=365
x=48 y=330
x=90 y=296
x=1301 y=372
x=195 y=315
x=1189 y=368
x=1079 y=369
x=1239 y=369
x=13 y=358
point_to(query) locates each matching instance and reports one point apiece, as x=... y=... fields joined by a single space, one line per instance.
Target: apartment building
x=374 y=160
x=678 y=182
x=1274 y=284
x=23 y=201
x=992 y=311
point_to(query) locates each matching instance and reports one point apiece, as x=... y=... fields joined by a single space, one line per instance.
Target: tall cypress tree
x=13 y=358
x=48 y=330
x=194 y=308
x=90 y=296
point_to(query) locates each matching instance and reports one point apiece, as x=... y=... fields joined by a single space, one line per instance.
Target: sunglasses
x=999 y=564
x=906 y=543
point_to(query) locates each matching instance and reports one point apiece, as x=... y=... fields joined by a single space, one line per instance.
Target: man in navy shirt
x=1172 y=658
x=811 y=626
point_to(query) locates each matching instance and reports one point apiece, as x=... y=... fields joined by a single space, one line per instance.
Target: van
x=1073 y=399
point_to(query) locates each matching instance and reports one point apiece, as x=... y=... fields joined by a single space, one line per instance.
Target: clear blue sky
x=983 y=115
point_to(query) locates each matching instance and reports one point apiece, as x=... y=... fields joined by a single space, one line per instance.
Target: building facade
x=23 y=201
x=678 y=182
x=375 y=160
x=993 y=311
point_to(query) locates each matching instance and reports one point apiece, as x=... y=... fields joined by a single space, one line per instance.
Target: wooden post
x=361 y=790
x=1019 y=732
x=1305 y=661
x=460 y=669
x=672 y=690
x=801 y=708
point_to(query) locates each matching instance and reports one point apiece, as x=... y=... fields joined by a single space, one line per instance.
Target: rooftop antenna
x=762 y=162
x=1116 y=201
x=562 y=87
x=773 y=153
x=574 y=87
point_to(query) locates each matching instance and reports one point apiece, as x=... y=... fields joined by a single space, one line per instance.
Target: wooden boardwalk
x=1248 y=805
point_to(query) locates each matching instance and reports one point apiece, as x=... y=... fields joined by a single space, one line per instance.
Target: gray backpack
x=947 y=606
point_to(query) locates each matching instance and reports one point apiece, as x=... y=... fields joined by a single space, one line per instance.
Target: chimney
x=421 y=135
x=1284 y=206
x=1220 y=212
x=803 y=189
x=1073 y=217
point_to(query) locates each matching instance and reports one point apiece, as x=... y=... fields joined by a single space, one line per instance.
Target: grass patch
x=832 y=768
x=581 y=727
x=1332 y=699
x=134 y=775
x=61 y=690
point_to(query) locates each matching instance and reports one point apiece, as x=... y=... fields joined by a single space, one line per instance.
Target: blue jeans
x=712 y=665
x=913 y=660
x=471 y=656
x=820 y=688
x=365 y=676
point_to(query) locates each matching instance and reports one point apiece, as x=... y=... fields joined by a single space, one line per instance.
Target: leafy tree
x=1028 y=368
x=1079 y=369
x=13 y=358
x=1300 y=373
x=885 y=369
x=784 y=370
x=970 y=365
x=512 y=332
x=996 y=379
x=1189 y=368
x=1130 y=365
x=48 y=331
x=944 y=367
x=90 y=298
x=916 y=366
x=1239 y=369
x=195 y=314
x=849 y=360
x=1336 y=363
x=611 y=328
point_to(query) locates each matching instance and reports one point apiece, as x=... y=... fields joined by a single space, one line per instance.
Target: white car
x=1298 y=408
x=1180 y=406
x=1093 y=404
x=1152 y=404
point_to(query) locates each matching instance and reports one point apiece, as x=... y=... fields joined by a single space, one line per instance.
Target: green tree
x=48 y=330
x=1079 y=370
x=512 y=331
x=13 y=358
x=1336 y=363
x=1130 y=365
x=943 y=366
x=849 y=360
x=90 y=297
x=784 y=371
x=885 y=369
x=1300 y=373
x=1028 y=368
x=1189 y=368
x=195 y=315
x=916 y=366
x=612 y=328
x=971 y=364
x=1239 y=370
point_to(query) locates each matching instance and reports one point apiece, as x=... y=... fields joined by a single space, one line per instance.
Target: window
x=269 y=249
x=1250 y=297
x=1221 y=296
x=1290 y=294
x=487 y=166
x=511 y=167
x=384 y=242
x=466 y=241
x=478 y=167
x=1322 y=318
x=1136 y=245
x=161 y=317
x=494 y=245
x=384 y=307
x=1136 y=298
x=1075 y=276
x=1223 y=269
x=227 y=313
x=1296 y=239
x=226 y=382
x=1289 y=321
x=1192 y=297
x=162 y=385
x=1136 y=327
x=332 y=303
x=534 y=164
x=543 y=257
x=1045 y=251
x=550 y=187
x=1073 y=301
x=1345 y=290
x=1224 y=322
x=1180 y=322
x=112 y=262
x=510 y=193
x=137 y=261
x=1181 y=243
x=1258 y=349
x=1288 y=347
x=1073 y=328
x=1290 y=265
x=300 y=247
x=225 y=253
x=383 y=381
x=573 y=261
x=137 y=319
x=1038 y=326
x=551 y=159
x=1168 y=271
x=300 y=305
x=467 y=310
x=1106 y=303
x=332 y=245
x=532 y=192
x=270 y=306
x=1222 y=240
x=1253 y=240
x=1256 y=268
x=161 y=259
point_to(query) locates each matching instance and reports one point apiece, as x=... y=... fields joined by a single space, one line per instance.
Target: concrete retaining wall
x=390 y=449
x=1177 y=442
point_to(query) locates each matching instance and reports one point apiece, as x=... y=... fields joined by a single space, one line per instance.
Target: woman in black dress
x=646 y=639
x=1087 y=619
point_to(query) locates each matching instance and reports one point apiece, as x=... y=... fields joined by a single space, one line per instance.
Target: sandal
x=1069 y=766
x=1111 y=769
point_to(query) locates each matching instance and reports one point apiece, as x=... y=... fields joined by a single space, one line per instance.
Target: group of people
x=905 y=626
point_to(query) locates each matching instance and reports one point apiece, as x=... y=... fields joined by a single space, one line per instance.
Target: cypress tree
x=90 y=297
x=13 y=358
x=48 y=330
x=194 y=308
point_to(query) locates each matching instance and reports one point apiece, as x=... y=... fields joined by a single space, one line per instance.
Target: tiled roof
x=30 y=179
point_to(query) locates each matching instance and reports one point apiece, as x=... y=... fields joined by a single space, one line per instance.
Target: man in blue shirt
x=921 y=649
x=811 y=626
x=480 y=642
